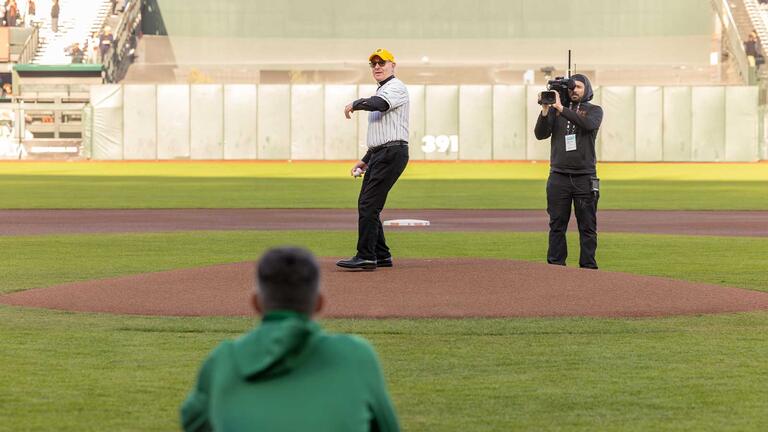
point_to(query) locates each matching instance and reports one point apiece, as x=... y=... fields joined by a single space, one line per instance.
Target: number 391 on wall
x=440 y=143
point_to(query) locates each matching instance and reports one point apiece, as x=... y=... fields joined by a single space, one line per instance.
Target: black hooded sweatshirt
x=585 y=119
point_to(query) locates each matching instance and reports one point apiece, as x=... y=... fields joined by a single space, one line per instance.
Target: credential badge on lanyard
x=570 y=137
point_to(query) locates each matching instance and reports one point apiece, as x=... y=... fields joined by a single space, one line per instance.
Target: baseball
x=357 y=172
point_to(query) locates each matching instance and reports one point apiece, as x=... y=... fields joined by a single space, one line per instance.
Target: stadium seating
x=77 y=21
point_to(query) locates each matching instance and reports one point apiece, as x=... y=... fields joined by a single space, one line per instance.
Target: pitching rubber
x=406 y=222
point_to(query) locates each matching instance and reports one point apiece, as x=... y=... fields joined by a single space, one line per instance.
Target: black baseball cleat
x=357 y=263
x=384 y=262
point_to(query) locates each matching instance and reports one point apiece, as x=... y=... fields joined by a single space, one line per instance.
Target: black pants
x=562 y=191
x=384 y=168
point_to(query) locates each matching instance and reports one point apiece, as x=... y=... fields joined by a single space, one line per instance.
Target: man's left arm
x=589 y=122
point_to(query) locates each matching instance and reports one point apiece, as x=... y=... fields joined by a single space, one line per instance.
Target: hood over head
x=588 y=93
x=279 y=345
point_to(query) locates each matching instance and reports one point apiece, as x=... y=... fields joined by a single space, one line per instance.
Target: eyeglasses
x=379 y=63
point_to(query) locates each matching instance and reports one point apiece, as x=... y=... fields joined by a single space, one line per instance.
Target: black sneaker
x=357 y=263
x=384 y=262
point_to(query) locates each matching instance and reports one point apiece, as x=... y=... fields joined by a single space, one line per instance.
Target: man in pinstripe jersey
x=385 y=160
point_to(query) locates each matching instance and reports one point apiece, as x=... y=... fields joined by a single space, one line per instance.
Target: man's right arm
x=543 y=127
x=373 y=103
x=194 y=410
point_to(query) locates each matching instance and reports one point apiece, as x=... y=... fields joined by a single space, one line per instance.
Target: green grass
x=37 y=261
x=327 y=185
x=73 y=372
x=28 y=192
x=415 y=170
x=69 y=371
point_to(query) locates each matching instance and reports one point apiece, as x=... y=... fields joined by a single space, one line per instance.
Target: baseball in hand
x=357 y=172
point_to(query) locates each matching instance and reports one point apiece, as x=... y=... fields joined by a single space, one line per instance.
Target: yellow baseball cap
x=383 y=54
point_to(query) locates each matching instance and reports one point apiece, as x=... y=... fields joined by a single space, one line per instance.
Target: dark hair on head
x=288 y=279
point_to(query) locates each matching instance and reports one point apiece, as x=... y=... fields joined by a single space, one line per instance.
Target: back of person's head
x=288 y=278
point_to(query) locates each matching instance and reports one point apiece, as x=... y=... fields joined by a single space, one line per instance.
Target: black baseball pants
x=384 y=168
x=564 y=191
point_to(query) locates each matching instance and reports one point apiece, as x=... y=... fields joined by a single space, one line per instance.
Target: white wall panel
x=274 y=122
x=475 y=122
x=441 y=118
x=509 y=122
x=107 y=137
x=416 y=121
x=648 y=124
x=307 y=118
x=240 y=114
x=741 y=134
x=677 y=123
x=140 y=118
x=340 y=132
x=207 y=121
x=173 y=121
x=708 y=124
x=618 y=127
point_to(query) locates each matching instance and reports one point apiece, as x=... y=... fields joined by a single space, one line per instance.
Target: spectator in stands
x=112 y=7
x=93 y=48
x=88 y=53
x=105 y=42
x=31 y=11
x=7 y=90
x=750 y=45
x=76 y=53
x=288 y=374
x=3 y=8
x=55 y=16
x=11 y=13
x=753 y=50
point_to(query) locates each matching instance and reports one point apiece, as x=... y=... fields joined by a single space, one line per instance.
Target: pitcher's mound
x=413 y=288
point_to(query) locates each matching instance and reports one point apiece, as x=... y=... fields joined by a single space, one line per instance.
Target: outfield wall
x=448 y=122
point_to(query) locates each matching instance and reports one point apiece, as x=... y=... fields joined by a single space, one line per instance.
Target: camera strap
x=570 y=128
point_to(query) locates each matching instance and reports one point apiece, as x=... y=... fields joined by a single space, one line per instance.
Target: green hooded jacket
x=289 y=375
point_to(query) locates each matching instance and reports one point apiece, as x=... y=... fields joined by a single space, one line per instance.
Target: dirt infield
x=454 y=288
x=414 y=288
x=32 y=222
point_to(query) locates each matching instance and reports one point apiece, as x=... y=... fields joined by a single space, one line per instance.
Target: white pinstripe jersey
x=392 y=124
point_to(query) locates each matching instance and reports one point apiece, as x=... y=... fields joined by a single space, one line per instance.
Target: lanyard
x=569 y=127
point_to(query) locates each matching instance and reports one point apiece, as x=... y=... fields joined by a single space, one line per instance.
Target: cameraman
x=572 y=174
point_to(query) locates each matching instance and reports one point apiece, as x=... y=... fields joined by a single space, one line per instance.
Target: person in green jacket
x=288 y=374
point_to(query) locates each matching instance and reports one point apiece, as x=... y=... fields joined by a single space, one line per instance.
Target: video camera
x=560 y=85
